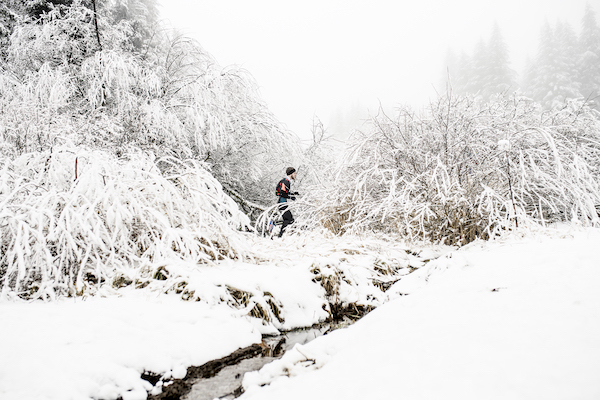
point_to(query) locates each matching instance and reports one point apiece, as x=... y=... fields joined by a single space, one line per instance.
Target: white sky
x=314 y=57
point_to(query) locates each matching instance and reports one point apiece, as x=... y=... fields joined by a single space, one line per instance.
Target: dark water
x=227 y=383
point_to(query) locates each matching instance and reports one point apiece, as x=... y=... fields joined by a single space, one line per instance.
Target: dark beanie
x=290 y=170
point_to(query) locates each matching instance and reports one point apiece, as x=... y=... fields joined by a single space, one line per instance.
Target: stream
x=222 y=378
x=227 y=383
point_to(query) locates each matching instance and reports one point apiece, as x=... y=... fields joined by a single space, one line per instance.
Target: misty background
x=340 y=60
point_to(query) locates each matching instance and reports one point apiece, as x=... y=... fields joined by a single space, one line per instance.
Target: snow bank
x=98 y=346
x=295 y=282
x=512 y=319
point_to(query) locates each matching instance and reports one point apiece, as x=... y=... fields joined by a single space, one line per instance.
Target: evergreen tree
x=528 y=77
x=486 y=73
x=457 y=72
x=478 y=78
x=463 y=73
x=543 y=70
x=589 y=64
x=566 y=84
x=499 y=77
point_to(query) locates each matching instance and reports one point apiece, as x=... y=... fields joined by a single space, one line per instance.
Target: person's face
x=293 y=176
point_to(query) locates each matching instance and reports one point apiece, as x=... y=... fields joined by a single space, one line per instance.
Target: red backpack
x=281 y=188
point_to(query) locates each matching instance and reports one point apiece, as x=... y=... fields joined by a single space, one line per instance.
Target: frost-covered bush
x=464 y=170
x=225 y=122
x=163 y=138
x=107 y=88
x=71 y=218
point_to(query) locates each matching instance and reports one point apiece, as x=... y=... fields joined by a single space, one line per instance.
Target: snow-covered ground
x=518 y=318
x=514 y=319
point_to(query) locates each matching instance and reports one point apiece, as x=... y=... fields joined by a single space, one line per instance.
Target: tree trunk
x=96 y=24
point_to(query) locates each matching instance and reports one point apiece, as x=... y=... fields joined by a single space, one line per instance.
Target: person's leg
x=287 y=220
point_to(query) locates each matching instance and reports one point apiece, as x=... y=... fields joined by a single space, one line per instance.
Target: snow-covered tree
x=478 y=72
x=486 y=73
x=589 y=63
x=542 y=86
x=463 y=74
x=565 y=67
x=566 y=82
x=141 y=16
x=73 y=218
x=500 y=77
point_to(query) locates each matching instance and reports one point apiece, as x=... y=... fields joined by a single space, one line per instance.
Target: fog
x=339 y=60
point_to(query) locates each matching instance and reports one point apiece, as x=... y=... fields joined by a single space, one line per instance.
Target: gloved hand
x=295 y=194
x=293 y=197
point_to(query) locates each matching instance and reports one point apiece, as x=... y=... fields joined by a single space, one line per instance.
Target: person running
x=285 y=195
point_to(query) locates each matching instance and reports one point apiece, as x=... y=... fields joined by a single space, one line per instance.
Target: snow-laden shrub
x=464 y=170
x=32 y=110
x=71 y=218
x=49 y=40
x=225 y=122
x=175 y=101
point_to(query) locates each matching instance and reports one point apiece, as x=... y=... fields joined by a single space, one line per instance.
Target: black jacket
x=283 y=190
